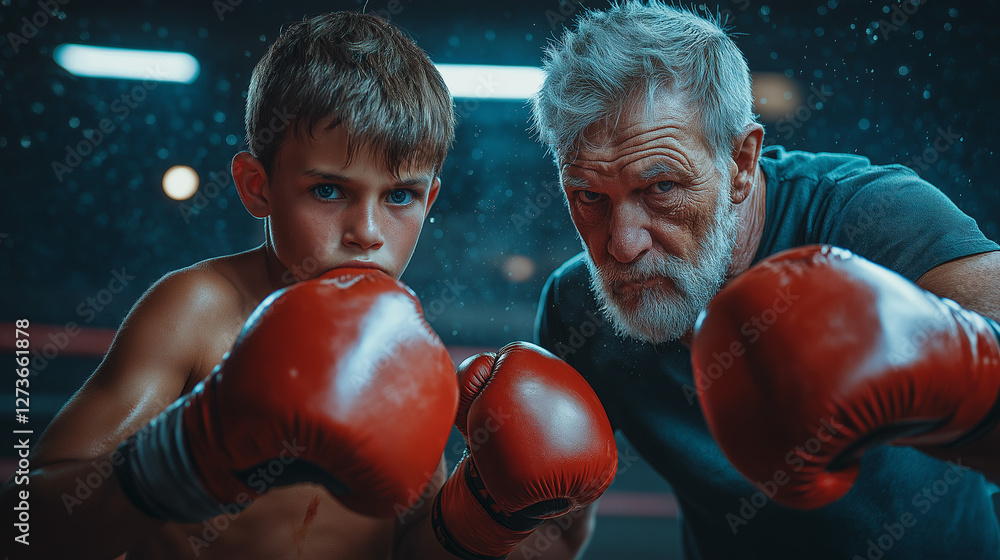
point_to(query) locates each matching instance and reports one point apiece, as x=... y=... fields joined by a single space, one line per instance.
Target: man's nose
x=629 y=234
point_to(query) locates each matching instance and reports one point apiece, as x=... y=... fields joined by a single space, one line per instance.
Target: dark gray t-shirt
x=905 y=504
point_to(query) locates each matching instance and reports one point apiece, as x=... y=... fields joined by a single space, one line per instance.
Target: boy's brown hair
x=363 y=72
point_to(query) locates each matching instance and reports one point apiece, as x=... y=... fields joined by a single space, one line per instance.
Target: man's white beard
x=663 y=312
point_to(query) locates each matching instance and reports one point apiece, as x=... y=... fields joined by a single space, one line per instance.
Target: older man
x=647 y=110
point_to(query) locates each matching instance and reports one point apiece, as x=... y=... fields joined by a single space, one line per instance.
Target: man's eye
x=663 y=186
x=327 y=192
x=400 y=196
x=589 y=196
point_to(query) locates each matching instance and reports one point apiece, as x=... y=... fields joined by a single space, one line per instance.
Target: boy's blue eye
x=327 y=192
x=400 y=196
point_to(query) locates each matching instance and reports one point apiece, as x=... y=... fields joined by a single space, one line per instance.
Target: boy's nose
x=362 y=230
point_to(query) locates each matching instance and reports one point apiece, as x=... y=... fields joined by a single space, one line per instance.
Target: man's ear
x=746 y=153
x=251 y=182
x=432 y=194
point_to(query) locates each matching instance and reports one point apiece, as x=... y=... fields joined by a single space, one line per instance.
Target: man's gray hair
x=625 y=55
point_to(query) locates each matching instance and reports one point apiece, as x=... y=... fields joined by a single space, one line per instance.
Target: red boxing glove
x=816 y=354
x=337 y=380
x=540 y=445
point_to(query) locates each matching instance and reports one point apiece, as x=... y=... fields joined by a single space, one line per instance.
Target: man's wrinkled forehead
x=640 y=115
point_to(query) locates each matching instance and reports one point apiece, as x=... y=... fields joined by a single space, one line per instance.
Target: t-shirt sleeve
x=891 y=216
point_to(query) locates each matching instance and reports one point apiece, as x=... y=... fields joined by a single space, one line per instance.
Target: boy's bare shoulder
x=188 y=319
x=195 y=313
x=170 y=340
x=220 y=287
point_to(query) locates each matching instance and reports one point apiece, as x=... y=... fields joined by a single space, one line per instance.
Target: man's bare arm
x=974 y=283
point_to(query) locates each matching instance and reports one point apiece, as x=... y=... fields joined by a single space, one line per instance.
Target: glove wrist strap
x=159 y=477
x=469 y=523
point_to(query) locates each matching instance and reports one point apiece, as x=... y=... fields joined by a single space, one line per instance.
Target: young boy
x=348 y=124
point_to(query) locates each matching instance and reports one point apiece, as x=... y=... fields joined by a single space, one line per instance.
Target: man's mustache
x=615 y=274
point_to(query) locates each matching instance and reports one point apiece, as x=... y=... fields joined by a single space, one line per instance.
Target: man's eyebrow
x=416 y=181
x=657 y=170
x=575 y=182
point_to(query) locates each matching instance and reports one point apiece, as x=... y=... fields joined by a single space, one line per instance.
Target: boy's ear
x=432 y=194
x=251 y=183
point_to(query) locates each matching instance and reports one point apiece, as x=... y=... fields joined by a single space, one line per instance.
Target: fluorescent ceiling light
x=491 y=82
x=130 y=64
x=464 y=80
